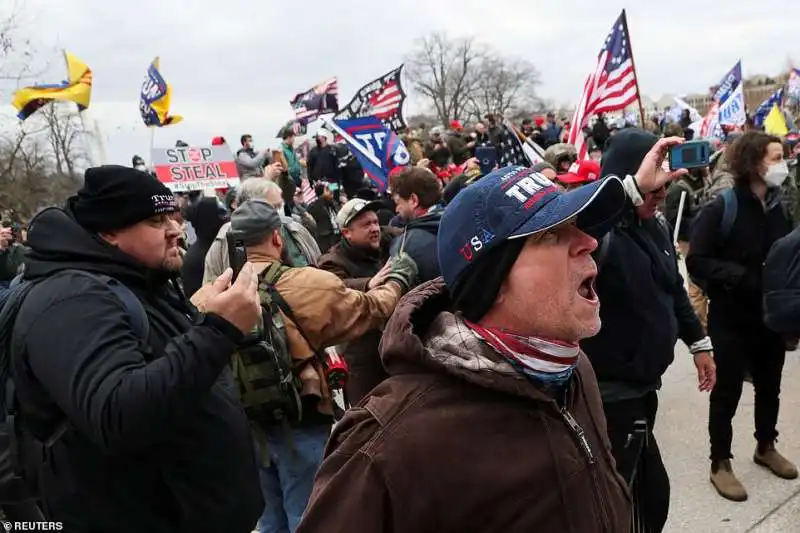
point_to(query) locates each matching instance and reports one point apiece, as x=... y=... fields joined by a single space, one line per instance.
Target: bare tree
x=66 y=136
x=461 y=79
x=441 y=70
x=16 y=52
x=502 y=85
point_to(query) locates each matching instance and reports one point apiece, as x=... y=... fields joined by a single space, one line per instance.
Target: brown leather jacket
x=457 y=441
x=356 y=267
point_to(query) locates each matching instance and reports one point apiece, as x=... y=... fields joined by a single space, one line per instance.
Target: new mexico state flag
x=76 y=88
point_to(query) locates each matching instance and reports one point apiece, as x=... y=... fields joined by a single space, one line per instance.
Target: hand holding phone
x=237 y=253
x=487 y=158
x=690 y=154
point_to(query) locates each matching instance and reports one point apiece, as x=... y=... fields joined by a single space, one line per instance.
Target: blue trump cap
x=515 y=202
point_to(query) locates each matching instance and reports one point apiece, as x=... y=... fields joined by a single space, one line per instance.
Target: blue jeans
x=287 y=482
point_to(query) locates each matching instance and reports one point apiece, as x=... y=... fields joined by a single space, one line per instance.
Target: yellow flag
x=775 y=123
x=76 y=88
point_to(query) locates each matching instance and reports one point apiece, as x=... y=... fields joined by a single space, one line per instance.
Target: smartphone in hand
x=690 y=154
x=237 y=253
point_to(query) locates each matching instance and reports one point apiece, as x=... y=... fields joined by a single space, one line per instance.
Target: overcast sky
x=234 y=64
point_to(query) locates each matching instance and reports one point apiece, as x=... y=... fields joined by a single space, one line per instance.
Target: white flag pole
x=679 y=219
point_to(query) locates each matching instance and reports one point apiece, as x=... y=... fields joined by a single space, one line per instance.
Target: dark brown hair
x=419 y=181
x=745 y=155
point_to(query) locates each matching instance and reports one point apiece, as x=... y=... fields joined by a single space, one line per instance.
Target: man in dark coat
x=150 y=434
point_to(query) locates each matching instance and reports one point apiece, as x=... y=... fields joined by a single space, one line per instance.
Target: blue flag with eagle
x=377 y=148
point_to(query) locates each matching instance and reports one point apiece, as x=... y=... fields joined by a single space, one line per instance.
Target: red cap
x=581 y=173
x=456 y=125
x=217 y=141
x=539 y=121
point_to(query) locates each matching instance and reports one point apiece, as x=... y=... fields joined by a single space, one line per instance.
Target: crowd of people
x=361 y=365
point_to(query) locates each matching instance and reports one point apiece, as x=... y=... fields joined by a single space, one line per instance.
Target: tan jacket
x=329 y=314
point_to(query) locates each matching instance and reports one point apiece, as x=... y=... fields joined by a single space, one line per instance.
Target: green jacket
x=295 y=170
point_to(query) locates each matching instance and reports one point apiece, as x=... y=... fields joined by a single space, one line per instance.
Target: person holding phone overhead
x=491 y=420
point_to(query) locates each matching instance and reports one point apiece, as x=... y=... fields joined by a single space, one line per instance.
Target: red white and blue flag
x=611 y=87
x=383 y=97
x=377 y=148
x=319 y=100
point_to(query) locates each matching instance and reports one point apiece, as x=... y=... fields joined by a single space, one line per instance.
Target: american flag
x=611 y=87
x=309 y=196
x=510 y=150
x=320 y=99
x=382 y=97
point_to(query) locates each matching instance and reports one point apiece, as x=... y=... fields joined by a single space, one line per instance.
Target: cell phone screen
x=237 y=254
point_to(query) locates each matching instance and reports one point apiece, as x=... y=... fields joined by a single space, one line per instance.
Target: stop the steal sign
x=195 y=168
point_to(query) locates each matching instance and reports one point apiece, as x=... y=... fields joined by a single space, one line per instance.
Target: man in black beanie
x=115 y=368
x=488 y=395
x=645 y=310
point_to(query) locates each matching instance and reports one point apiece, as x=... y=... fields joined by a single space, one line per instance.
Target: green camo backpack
x=269 y=388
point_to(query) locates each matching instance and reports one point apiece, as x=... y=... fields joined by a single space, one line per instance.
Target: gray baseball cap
x=254 y=220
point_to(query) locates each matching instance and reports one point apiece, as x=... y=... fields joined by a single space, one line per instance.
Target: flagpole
x=100 y=143
x=152 y=145
x=633 y=66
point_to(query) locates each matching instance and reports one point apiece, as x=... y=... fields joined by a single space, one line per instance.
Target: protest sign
x=195 y=168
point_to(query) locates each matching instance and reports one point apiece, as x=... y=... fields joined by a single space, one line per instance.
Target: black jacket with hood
x=644 y=307
x=207 y=216
x=420 y=243
x=731 y=267
x=157 y=438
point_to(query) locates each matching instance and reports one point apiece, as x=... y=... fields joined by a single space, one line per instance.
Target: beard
x=173 y=261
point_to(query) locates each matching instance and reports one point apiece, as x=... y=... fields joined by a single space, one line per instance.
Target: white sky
x=235 y=64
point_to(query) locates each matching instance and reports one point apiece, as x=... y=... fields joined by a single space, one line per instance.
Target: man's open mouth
x=586 y=289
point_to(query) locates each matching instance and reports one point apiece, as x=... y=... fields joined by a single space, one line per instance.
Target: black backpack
x=21 y=454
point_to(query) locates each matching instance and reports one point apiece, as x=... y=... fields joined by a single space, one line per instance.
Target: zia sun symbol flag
x=76 y=88
x=154 y=99
x=377 y=148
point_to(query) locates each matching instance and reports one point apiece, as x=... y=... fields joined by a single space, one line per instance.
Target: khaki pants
x=696 y=295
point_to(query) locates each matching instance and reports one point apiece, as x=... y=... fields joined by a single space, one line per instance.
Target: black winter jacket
x=731 y=268
x=158 y=440
x=420 y=244
x=644 y=307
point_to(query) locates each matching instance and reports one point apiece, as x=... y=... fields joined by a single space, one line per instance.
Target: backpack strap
x=137 y=316
x=730 y=208
x=286 y=309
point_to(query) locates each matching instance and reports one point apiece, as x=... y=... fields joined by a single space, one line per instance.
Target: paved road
x=774 y=504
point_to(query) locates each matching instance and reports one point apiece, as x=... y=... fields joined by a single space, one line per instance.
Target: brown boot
x=768 y=457
x=725 y=481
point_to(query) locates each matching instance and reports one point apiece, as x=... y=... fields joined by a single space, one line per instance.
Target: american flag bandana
x=548 y=361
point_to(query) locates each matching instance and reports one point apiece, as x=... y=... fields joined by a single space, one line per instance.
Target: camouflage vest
x=262 y=365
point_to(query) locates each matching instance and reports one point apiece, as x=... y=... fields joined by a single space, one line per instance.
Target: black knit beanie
x=476 y=290
x=115 y=197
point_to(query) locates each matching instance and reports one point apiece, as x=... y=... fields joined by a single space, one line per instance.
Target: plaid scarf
x=546 y=361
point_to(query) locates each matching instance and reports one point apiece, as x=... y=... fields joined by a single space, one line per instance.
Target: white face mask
x=776 y=174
